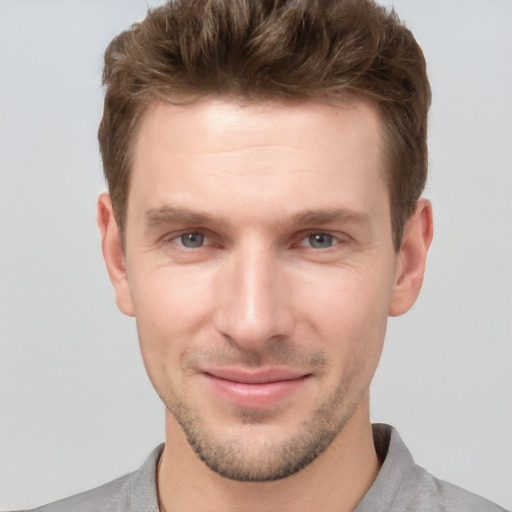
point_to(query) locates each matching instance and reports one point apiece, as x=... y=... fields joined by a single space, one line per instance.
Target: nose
x=253 y=305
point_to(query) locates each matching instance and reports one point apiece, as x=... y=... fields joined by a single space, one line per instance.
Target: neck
x=335 y=481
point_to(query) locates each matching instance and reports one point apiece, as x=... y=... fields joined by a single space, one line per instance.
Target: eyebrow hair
x=326 y=216
x=168 y=214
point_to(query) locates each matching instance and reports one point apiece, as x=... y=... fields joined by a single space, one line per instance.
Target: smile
x=255 y=390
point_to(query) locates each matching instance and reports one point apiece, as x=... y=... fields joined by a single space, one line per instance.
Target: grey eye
x=320 y=240
x=192 y=240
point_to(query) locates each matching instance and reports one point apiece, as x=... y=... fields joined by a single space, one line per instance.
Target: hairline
x=346 y=97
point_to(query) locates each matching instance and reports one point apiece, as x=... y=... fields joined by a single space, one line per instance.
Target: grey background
x=76 y=408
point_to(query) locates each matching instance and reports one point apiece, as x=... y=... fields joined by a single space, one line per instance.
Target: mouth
x=255 y=389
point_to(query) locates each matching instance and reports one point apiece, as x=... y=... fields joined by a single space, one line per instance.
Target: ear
x=113 y=254
x=418 y=232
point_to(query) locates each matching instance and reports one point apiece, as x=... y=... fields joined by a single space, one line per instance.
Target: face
x=260 y=268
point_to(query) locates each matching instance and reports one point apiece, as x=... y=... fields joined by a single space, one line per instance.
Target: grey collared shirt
x=400 y=486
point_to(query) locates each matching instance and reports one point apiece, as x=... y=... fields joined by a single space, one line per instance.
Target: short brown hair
x=271 y=48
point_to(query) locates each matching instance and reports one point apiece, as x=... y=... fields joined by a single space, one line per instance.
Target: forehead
x=268 y=154
x=207 y=124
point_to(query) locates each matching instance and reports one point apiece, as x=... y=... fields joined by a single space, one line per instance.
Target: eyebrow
x=172 y=215
x=169 y=215
x=310 y=217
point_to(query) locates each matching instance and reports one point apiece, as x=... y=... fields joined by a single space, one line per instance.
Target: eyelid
x=339 y=238
x=175 y=236
x=298 y=240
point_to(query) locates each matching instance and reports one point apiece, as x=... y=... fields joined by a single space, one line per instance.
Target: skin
x=258 y=257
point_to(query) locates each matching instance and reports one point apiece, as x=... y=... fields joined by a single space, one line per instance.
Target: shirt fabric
x=400 y=486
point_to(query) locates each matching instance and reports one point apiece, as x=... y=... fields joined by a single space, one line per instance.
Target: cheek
x=346 y=296
x=171 y=308
x=348 y=310
x=166 y=299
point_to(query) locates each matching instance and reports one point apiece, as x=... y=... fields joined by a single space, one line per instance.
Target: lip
x=255 y=389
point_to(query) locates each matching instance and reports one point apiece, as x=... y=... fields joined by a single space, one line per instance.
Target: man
x=265 y=162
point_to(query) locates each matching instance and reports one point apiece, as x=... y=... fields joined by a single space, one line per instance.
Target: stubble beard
x=251 y=455
x=265 y=460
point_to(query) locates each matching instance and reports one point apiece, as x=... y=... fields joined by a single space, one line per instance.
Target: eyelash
x=304 y=237
x=192 y=233
x=320 y=234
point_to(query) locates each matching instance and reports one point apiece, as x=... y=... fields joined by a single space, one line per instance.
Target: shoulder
x=105 y=498
x=426 y=492
x=134 y=492
x=402 y=485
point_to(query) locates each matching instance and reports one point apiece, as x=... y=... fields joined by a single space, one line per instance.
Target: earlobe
x=417 y=236
x=113 y=254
